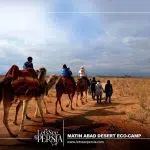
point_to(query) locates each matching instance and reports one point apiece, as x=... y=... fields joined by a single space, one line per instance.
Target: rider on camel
x=66 y=72
x=82 y=74
x=28 y=64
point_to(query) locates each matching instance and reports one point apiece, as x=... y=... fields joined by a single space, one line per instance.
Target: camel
x=8 y=96
x=47 y=86
x=64 y=86
x=50 y=82
x=82 y=86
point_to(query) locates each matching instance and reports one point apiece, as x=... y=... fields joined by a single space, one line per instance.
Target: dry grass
x=128 y=113
x=130 y=101
x=137 y=90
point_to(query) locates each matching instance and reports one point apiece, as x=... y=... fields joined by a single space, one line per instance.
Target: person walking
x=98 y=92
x=93 y=83
x=108 y=91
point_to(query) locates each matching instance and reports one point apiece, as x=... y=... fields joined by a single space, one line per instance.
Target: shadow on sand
x=80 y=124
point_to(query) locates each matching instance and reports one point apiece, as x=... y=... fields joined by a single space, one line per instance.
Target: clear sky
x=105 y=36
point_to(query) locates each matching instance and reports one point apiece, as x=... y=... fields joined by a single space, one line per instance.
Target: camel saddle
x=24 y=82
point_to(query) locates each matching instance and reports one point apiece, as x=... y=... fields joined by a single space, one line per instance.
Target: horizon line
x=98 y=75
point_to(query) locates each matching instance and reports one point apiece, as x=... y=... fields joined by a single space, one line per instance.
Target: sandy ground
x=101 y=118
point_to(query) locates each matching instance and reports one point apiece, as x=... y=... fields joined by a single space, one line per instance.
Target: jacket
x=82 y=73
x=65 y=72
x=108 y=89
x=28 y=65
x=98 y=89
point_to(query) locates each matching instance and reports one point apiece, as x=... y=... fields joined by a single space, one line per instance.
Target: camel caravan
x=20 y=86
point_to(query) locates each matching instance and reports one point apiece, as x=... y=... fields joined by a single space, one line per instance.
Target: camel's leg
x=86 y=95
x=68 y=101
x=77 y=99
x=56 y=106
x=58 y=100
x=60 y=105
x=36 y=114
x=37 y=110
x=81 y=98
x=27 y=117
x=44 y=101
x=17 y=110
x=40 y=108
x=7 y=106
x=45 y=104
x=71 y=99
x=24 y=112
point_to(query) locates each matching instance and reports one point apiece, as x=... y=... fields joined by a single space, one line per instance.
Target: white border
x=99 y=12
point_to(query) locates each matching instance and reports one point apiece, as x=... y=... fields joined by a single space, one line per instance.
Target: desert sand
x=129 y=112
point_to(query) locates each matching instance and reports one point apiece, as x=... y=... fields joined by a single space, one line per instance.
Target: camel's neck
x=51 y=81
x=41 y=77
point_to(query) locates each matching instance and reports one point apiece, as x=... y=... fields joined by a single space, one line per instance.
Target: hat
x=82 y=67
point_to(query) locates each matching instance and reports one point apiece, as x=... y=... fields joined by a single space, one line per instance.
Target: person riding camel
x=28 y=64
x=82 y=74
x=66 y=72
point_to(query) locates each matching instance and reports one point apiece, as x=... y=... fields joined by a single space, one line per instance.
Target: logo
x=48 y=136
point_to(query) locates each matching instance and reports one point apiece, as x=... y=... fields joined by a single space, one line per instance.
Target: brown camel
x=82 y=86
x=8 y=95
x=64 y=86
x=50 y=82
x=47 y=85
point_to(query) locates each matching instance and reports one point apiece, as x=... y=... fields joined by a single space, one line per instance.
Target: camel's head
x=42 y=74
x=51 y=80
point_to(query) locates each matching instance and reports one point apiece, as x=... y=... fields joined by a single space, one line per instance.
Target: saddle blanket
x=24 y=81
